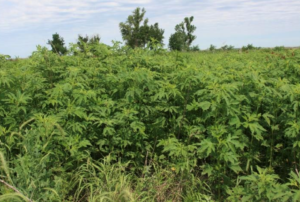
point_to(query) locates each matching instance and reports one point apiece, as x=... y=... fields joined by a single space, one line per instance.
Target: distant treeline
x=138 y=33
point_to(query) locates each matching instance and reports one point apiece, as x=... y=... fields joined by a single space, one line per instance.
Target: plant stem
x=16 y=190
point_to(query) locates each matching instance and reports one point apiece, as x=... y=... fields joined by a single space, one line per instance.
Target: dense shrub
x=148 y=125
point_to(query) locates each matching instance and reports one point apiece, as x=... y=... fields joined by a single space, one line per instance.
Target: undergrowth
x=117 y=124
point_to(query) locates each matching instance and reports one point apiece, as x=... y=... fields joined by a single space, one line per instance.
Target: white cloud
x=216 y=20
x=135 y=1
x=225 y=20
x=16 y=14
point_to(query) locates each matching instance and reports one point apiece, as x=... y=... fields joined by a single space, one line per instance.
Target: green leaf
x=138 y=126
x=235 y=168
x=204 y=105
x=207 y=170
x=267 y=117
x=206 y=147
x=235 y=121
x=84 y=143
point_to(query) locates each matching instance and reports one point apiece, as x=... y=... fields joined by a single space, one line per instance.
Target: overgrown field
x=117 y=124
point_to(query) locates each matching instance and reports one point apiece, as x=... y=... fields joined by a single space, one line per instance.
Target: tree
x=155 y=33
x=224 y=47
x=136 y=32
x=194 y=48
x=227 y=47
x=57 y=44
x=177 y=41
x=183 y=36
x=82 y=41
x=230 y=47
x=212 y=47
x=249 y=47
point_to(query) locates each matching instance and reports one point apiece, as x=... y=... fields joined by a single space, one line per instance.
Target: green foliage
x=194 y=48
x=279 y=48
x=261 y=186
x=57 y=44
x=122 y=124
x=137 y=33
x=90 y=47
x=83 y=42
x=177 y=41
x=183 y=36
x=249 y=47
x=212 y=48
x=155 y=33
x=226 y=47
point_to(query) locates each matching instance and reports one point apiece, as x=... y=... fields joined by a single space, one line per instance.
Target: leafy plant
x=122 y=124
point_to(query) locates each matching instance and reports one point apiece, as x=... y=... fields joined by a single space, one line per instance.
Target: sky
x=24 y=24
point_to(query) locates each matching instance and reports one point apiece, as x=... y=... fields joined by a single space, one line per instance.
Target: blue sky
x=266 y=23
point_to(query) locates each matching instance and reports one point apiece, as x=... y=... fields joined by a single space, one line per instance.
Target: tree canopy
x=57 y=44
x=137 y=33
x=183 y=36
x=83 y=40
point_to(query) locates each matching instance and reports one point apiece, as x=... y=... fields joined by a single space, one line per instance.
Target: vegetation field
x=121 y=124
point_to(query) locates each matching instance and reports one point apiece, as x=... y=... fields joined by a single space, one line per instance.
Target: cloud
x=21 y=14
x=17 y=14
x=227 y=20
x=216 y=20
x=233 y=10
